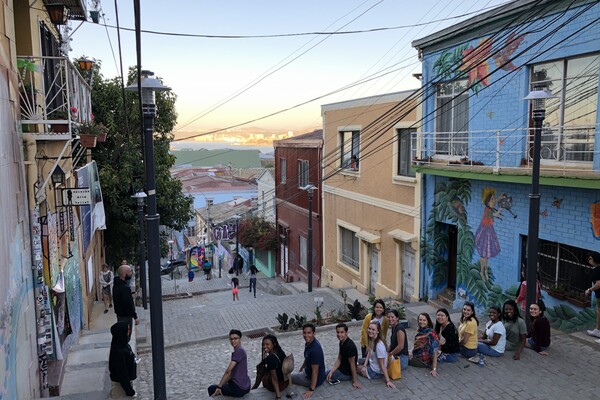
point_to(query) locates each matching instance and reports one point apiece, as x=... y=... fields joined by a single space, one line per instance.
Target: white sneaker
x=594 y=332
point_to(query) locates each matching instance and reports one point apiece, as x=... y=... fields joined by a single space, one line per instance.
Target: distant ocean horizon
x=183 y=145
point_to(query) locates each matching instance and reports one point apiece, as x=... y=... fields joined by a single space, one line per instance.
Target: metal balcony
x=54 y=97
x=566 y=151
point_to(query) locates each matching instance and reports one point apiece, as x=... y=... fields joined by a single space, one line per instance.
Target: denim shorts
x=372 y=374
x=533 y=345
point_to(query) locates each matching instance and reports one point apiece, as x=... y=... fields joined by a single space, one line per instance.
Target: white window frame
x=303 y=173
x=457 y=137
x=349 y=262
x=349 y=147
x=283 y=168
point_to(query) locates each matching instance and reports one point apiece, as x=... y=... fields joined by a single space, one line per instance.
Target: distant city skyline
x=222 y=83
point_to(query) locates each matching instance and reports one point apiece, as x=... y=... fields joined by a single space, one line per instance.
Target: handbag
x=394 y=369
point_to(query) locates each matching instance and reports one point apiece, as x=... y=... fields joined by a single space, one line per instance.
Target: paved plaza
x=197 y=353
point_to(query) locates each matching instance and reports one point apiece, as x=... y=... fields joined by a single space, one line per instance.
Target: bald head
x=124 y=271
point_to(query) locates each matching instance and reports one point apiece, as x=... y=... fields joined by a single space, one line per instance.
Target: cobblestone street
x=197 y=353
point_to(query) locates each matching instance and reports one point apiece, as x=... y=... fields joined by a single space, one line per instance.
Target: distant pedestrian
x=538 y=337
x=252 y=273
x=106 y=281
x=270 y=370
x=238 y=264
x=121 y=360
x=235 y=381
x=124 y=306
x=467 y=331
x=207 y=267
x=344 y=367
x=235 y=282
x=312 y=372
x=378 y=315
x=593 y=258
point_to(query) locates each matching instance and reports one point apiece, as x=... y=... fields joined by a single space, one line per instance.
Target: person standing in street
x=121 y=360
x=312 y=371
x=344 y=367
x=235 y=290
x=235 y=381
x=252 y=273
x=124 y=306
x=593 y=258
x=106 y=282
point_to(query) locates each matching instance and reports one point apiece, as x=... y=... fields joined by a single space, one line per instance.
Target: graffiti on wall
x=473 y=62
x=595 y=219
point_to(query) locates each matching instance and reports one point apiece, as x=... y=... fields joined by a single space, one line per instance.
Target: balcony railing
x=569 y=149
x=54 y=97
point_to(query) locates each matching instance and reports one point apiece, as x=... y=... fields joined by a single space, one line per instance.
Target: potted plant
x=557 y=291
x=88 y=134
x=59 y=115
x=577 y=298
x=102 y=132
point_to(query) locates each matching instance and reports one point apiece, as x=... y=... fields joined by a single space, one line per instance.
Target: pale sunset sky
x=205 y=72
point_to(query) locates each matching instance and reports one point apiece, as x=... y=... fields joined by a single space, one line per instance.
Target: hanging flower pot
x=88 y=140
x=102 y=137
x=102 y=132
x=95 y=16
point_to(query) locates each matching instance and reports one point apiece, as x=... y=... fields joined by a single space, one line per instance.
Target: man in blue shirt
x=312 y=371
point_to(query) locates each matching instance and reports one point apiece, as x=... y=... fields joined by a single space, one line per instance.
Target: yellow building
x=371 y=197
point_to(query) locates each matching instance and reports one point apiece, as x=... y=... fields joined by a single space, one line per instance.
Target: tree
x=121 y=165
x=258 y=233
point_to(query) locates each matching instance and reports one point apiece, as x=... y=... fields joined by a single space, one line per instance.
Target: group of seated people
x=442 y=343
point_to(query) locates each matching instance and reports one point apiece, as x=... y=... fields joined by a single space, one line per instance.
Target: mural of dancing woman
x=486 y=241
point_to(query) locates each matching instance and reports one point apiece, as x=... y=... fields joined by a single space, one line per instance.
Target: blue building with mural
x=475 y=153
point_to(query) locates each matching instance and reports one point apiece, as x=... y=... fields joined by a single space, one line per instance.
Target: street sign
x=76 y=197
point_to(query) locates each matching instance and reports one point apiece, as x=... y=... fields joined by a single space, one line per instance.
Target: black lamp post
x=537 y=98
x=149 y=85
x=139 y=197
x=309 y=188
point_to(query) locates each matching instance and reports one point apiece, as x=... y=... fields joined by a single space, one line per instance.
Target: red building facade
x=298 y=164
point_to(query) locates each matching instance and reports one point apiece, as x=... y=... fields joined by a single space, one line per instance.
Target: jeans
x=253 y=285
x=487 y=350
x=467 y=353
x=340 y=376
x=372 y=374
x=448 y=357
x=533 y=345
x=300 y=379
x=228 y=389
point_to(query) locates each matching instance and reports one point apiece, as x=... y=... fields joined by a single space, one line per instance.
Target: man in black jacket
x=124 y=306
x=121 y=360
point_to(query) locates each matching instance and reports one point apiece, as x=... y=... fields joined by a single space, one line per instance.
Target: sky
x=220 y=83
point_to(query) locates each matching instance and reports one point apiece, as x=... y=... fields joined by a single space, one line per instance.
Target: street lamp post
x=150 y=85
x=310 y=188
x=537 y=98
x=139 y=197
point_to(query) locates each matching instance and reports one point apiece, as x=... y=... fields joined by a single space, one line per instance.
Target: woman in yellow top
x=467 y=331
x=378 y=315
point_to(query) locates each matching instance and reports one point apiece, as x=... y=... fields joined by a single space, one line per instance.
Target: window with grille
x=302 y=173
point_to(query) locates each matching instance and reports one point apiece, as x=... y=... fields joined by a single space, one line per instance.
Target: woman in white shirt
x=375 y=365
x=493 y=341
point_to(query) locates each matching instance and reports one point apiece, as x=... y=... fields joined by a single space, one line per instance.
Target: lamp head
x=150 y=85
x=58 y=175
x=538 y=97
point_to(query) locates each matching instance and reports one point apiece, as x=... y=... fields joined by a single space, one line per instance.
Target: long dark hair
x=438 y=326
x=462 y=317
x=276 y=347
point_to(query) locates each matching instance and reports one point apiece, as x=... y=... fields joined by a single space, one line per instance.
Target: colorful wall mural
x=473 y=62
x=482 y=275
